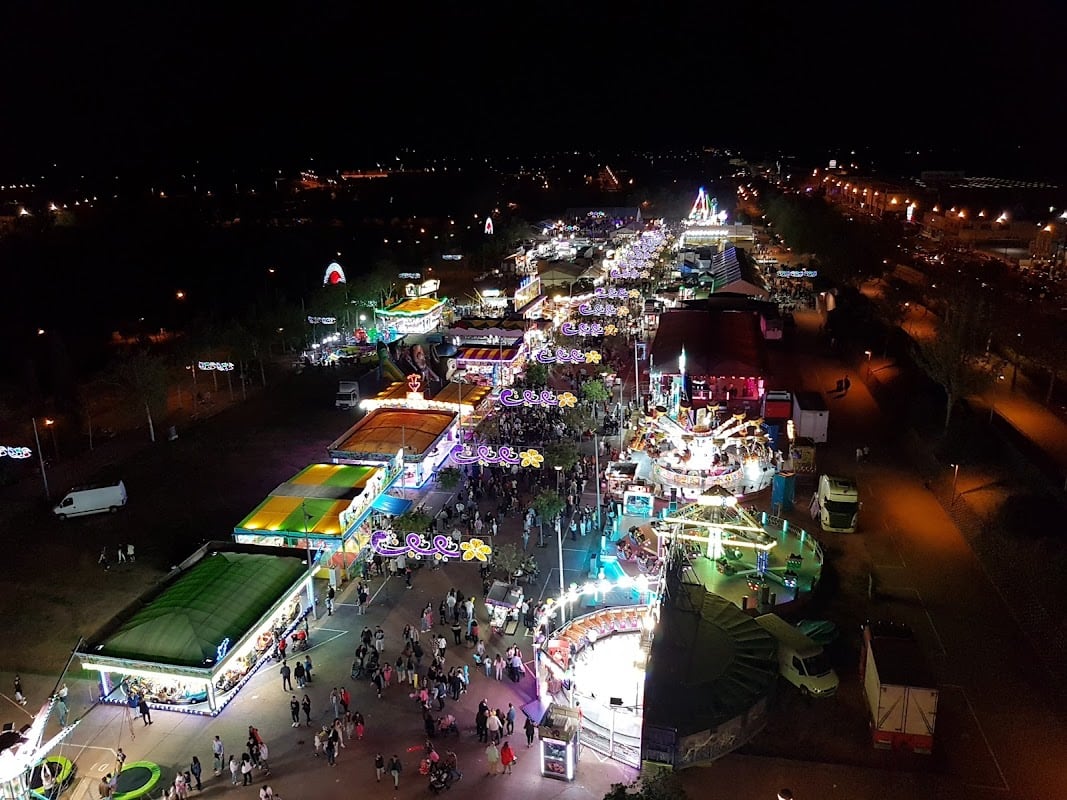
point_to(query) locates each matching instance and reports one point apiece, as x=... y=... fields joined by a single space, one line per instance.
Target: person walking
x=360 y=723
x=529 y=728
x=510 y=717
x=394 y=770
x=285 y=672
x=120 y=759
x=145 y=711
x=335 y=701
x=346 y=698
x=379 y=767
x=331 y=594
x=492 y=725
x=235 y=770
x=305 y=704
x=492 y=758
x=299 y=673
x=294 y=711
x=307 y=668
x=507 y=757
x=196 y=770
x=219 y=753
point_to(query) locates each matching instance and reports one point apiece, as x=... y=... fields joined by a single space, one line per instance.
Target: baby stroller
x=447 y=725
x=440 y=778
x=357 y=670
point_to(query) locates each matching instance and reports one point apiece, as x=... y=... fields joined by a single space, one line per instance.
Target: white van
x=91 y=500
x=801 y=660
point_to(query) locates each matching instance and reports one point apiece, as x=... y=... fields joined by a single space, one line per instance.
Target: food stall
x=412 y=315
x=558 y=732
x=638 y=500
x=504 y=604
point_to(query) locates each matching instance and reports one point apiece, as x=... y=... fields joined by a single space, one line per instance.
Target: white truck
x=83 y=500
x=836 y=503
x=801 y=660
x=347 y=394
x=900 y=691
x=811 y=417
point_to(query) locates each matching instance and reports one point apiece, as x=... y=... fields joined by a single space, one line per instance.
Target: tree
x=537 y=374
x=595 y=391
x=143 y=379
x=448 y=478
x=412 y=522
x=508 y=559
x=652 y=785
x=948 y=357
x=561 y=454
x=548 y=505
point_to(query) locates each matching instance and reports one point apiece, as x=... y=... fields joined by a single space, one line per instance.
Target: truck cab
x=347 y=394
x=837 y=503
x=801 y=660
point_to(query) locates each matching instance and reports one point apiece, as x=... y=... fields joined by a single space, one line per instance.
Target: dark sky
x=93 y=85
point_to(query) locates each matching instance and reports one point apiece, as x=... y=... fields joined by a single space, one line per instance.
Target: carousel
x=688 y=459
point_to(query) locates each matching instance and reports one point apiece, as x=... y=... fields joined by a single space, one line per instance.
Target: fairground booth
x=426 y=436
x=498 y=365
x=192 y=641
x=329 y=508
x=470 y=401
x=412 y=315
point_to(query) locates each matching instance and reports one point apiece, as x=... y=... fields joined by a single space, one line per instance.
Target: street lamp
x=868 y=354
x=559 y=547
x=955 y=477
x=785 y=794
x=993 y=401
x=51 y=425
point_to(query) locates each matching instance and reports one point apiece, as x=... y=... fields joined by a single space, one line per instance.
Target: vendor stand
x=503 y=604
x=559 y=731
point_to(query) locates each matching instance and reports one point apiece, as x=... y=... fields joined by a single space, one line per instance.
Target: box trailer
x=899 y=688
x=811 y=417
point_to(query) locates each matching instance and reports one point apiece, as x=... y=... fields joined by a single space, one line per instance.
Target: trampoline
x=137 y=779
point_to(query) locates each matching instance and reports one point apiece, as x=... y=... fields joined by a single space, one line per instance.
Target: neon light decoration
x=222 y=649
x=624 y=274
x=612 y=292
x=216 y=366
x=475 y=549
x=511 y=398
x=334 y=275
x=597 y=309
x=415 y=545
x=488 y=226
x=415 y=383
x=322 y=320
x=566 y=356
x=15 y=452
x=485 y=455
x=582 y=329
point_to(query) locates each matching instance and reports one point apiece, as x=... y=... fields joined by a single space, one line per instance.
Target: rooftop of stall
x=451 y=394
x=412 y=305
x=324 y=492
x=219 y=593
x=493 y=354
x=381 y=434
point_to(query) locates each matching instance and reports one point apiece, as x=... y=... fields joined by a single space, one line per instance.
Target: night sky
x=93 y=86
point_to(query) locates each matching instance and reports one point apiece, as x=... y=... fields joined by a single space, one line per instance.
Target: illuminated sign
x=322 y=320
x=488 y=226
x=216 y=366
x=415 y=383
x=222 y=649
x=597 y=309
x=485 y=455
x=512 y=398
x=565 y=356
x=334 y=275
x=15 y=452
x=451 y=257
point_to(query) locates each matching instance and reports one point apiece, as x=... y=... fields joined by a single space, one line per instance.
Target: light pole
x=40 y=456
x=955 y=477
x=993 y=402
x=559 y=548
x=868 y=354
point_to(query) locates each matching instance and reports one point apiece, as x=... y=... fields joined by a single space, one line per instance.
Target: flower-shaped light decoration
x=475 y=549
x=634 y=294
x=567 y=400
x=623 y=311
x=531 y=458
x=610 y=330
x=592 y=357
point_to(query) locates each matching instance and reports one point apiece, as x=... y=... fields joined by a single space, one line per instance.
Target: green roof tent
x=207 y=609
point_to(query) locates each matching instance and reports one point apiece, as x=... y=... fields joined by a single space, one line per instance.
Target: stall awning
x=393 y=506
x=488 y=354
